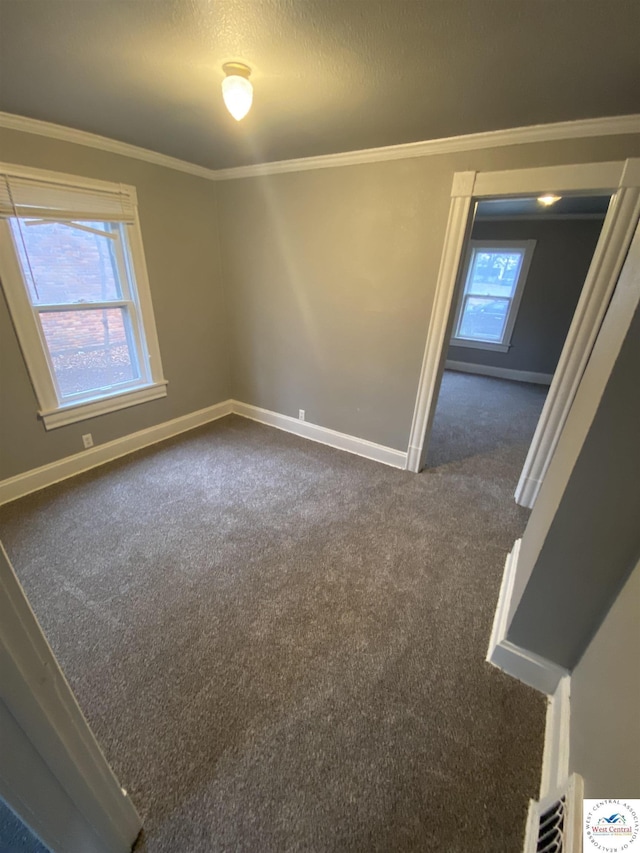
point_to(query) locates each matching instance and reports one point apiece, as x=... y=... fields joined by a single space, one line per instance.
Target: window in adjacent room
x=494 y=278
x=72 y=266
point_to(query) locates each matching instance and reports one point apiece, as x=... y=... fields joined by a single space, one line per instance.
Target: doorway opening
x=621 y=181
x=524 y=266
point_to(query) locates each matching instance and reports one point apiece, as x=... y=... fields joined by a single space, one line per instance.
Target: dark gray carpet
x=482 y=415
x=281 y=646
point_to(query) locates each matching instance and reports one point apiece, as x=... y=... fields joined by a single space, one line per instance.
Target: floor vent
x=554 y=824
x=551 y=833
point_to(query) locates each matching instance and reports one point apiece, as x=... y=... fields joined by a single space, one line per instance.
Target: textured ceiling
x=329 y=75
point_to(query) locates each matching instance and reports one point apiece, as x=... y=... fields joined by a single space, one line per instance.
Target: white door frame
x=622 y=181
x=53 y=774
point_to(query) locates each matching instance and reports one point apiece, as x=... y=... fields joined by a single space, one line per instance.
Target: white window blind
x=57 y=201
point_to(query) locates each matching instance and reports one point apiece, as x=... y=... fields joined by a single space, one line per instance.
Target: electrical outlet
x=301 y=414
x=87 y=440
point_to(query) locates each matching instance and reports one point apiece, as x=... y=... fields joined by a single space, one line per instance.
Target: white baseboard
x=323 y=435
x=500 y=372
x=526 y=666
x=499 y=627
x=38 y=478
x=47 y=475
x=527 y=491
x=531 y=828
x=555 y=758
x=414 y=455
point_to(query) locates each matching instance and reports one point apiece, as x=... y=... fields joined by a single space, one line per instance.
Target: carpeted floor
x=480 y=415
x=281 y=646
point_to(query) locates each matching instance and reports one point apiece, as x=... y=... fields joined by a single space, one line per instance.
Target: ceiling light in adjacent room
x=548 y=200
x=237 y=90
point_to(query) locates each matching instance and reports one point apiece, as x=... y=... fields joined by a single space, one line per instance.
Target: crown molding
x=102 y=143
x=578 y=129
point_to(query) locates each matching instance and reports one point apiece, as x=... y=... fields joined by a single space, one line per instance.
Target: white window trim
x=53 y=413
x=509 y=245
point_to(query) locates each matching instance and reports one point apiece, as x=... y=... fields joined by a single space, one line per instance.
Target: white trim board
x=438 y=331
x=323 y=435
x=555 y=756
x=499 y=372
x=526 y=666
x=9 y=121
x=578 y=129
x=38 y=478
x=54 y=774
x=622 y=180
x=601 y=281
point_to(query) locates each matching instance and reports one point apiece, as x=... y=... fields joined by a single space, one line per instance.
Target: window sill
x=72 y=413
x=462 y=342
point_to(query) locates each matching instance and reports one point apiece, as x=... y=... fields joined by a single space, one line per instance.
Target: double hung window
x=494 y=277
x=73 y=270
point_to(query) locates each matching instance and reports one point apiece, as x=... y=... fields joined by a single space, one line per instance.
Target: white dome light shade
x=237 y=92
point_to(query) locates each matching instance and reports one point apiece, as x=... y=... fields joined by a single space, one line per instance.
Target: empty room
x=319 y=346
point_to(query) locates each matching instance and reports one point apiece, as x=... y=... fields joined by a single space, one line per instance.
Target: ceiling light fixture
x=237 y=90
x=548 y=200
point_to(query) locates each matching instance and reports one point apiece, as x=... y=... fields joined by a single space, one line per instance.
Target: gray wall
x=593 y=541
x=331 y=276
x=178 y=219
x=559 y=265
x=605 y=702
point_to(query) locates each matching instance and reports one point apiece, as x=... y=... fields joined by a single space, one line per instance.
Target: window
x=72 y=266
x=494 y=278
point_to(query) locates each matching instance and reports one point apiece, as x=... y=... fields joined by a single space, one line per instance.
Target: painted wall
x=178 y=219
x=592 y=541
x=331 y=274
x=559 y=265
x=605 y=702
x=329 y=277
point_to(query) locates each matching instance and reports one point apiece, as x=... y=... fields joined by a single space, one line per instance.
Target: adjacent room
x=525 y=264
x=237 y=610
